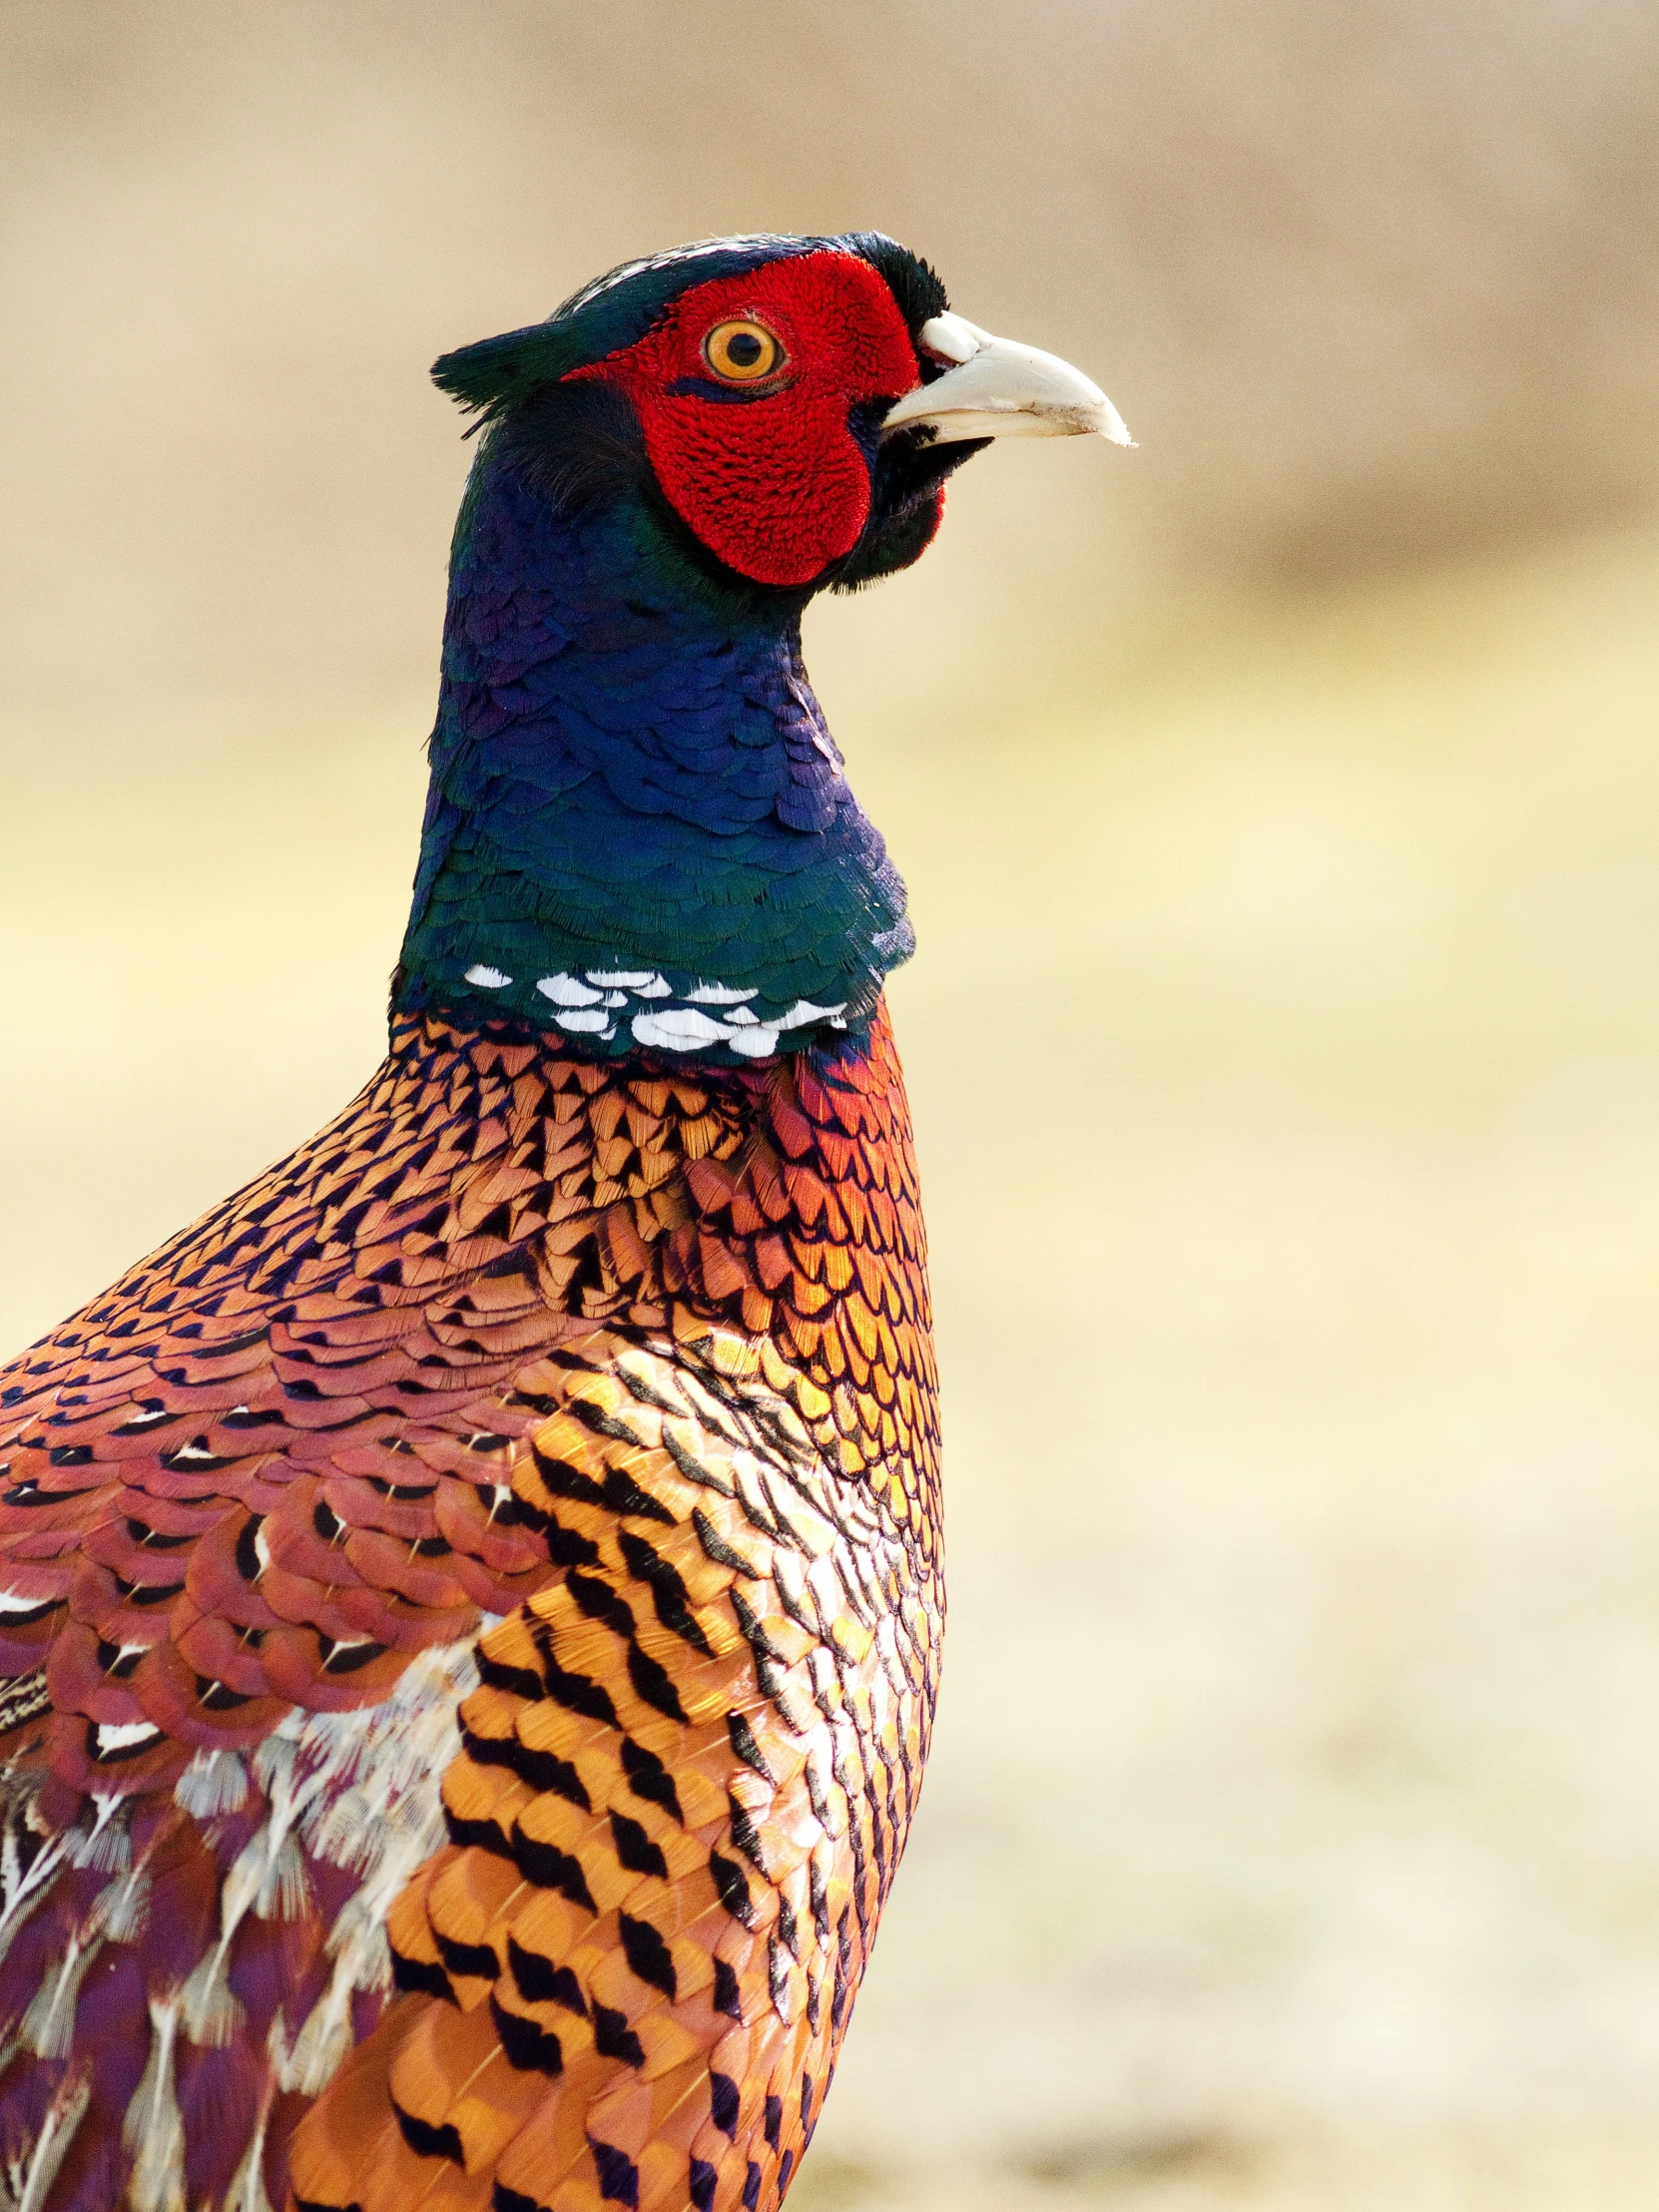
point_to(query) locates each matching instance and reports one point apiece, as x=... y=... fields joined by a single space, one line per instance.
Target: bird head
x=786 y=410
x=638 y=832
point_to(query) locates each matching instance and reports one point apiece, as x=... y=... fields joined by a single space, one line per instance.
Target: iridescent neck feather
x=638 y=833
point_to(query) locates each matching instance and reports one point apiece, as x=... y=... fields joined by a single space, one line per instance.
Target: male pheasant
x=470 y=1604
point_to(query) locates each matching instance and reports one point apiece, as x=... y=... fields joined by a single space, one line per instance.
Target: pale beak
x=998 y=389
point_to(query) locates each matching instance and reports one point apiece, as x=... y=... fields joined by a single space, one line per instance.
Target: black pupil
x=743 y=350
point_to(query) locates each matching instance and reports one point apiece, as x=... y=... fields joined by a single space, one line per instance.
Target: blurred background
x=1293 y=1835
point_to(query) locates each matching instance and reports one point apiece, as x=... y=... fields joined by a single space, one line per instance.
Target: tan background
x=1280 y=804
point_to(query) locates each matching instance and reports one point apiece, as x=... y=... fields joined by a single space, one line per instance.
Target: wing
x=685 y=1783
x=267 y=1467
x=254 y=1505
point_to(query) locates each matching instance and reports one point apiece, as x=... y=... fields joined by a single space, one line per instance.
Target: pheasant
x=470 y=1604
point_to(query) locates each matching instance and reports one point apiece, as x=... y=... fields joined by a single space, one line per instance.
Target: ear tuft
x=914 y=284
x=496 y=373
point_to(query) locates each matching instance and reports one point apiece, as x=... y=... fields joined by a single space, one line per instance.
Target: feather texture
x=633 y=1361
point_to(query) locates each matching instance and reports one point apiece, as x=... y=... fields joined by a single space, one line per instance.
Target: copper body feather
x=469 y=1612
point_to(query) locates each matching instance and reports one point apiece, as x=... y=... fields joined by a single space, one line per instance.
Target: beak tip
x=1110 y=423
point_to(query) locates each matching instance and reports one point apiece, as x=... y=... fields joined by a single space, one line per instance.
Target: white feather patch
x=153 y=2129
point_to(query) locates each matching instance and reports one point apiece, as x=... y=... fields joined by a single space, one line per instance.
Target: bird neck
x=638 y=832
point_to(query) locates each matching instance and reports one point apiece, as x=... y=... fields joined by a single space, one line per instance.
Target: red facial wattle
x=768 y=474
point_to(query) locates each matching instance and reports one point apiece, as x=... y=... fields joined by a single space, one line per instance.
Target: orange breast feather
x=636 y=1365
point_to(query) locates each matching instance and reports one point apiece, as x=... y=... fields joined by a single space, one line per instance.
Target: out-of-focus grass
x=1285 y=1047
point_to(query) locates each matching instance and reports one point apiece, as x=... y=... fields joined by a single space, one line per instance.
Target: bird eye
x=742 y=353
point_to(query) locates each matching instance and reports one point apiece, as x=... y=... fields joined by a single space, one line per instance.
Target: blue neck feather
x=638 y=832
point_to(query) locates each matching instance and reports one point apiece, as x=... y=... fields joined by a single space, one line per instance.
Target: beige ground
x=1284 y=1045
